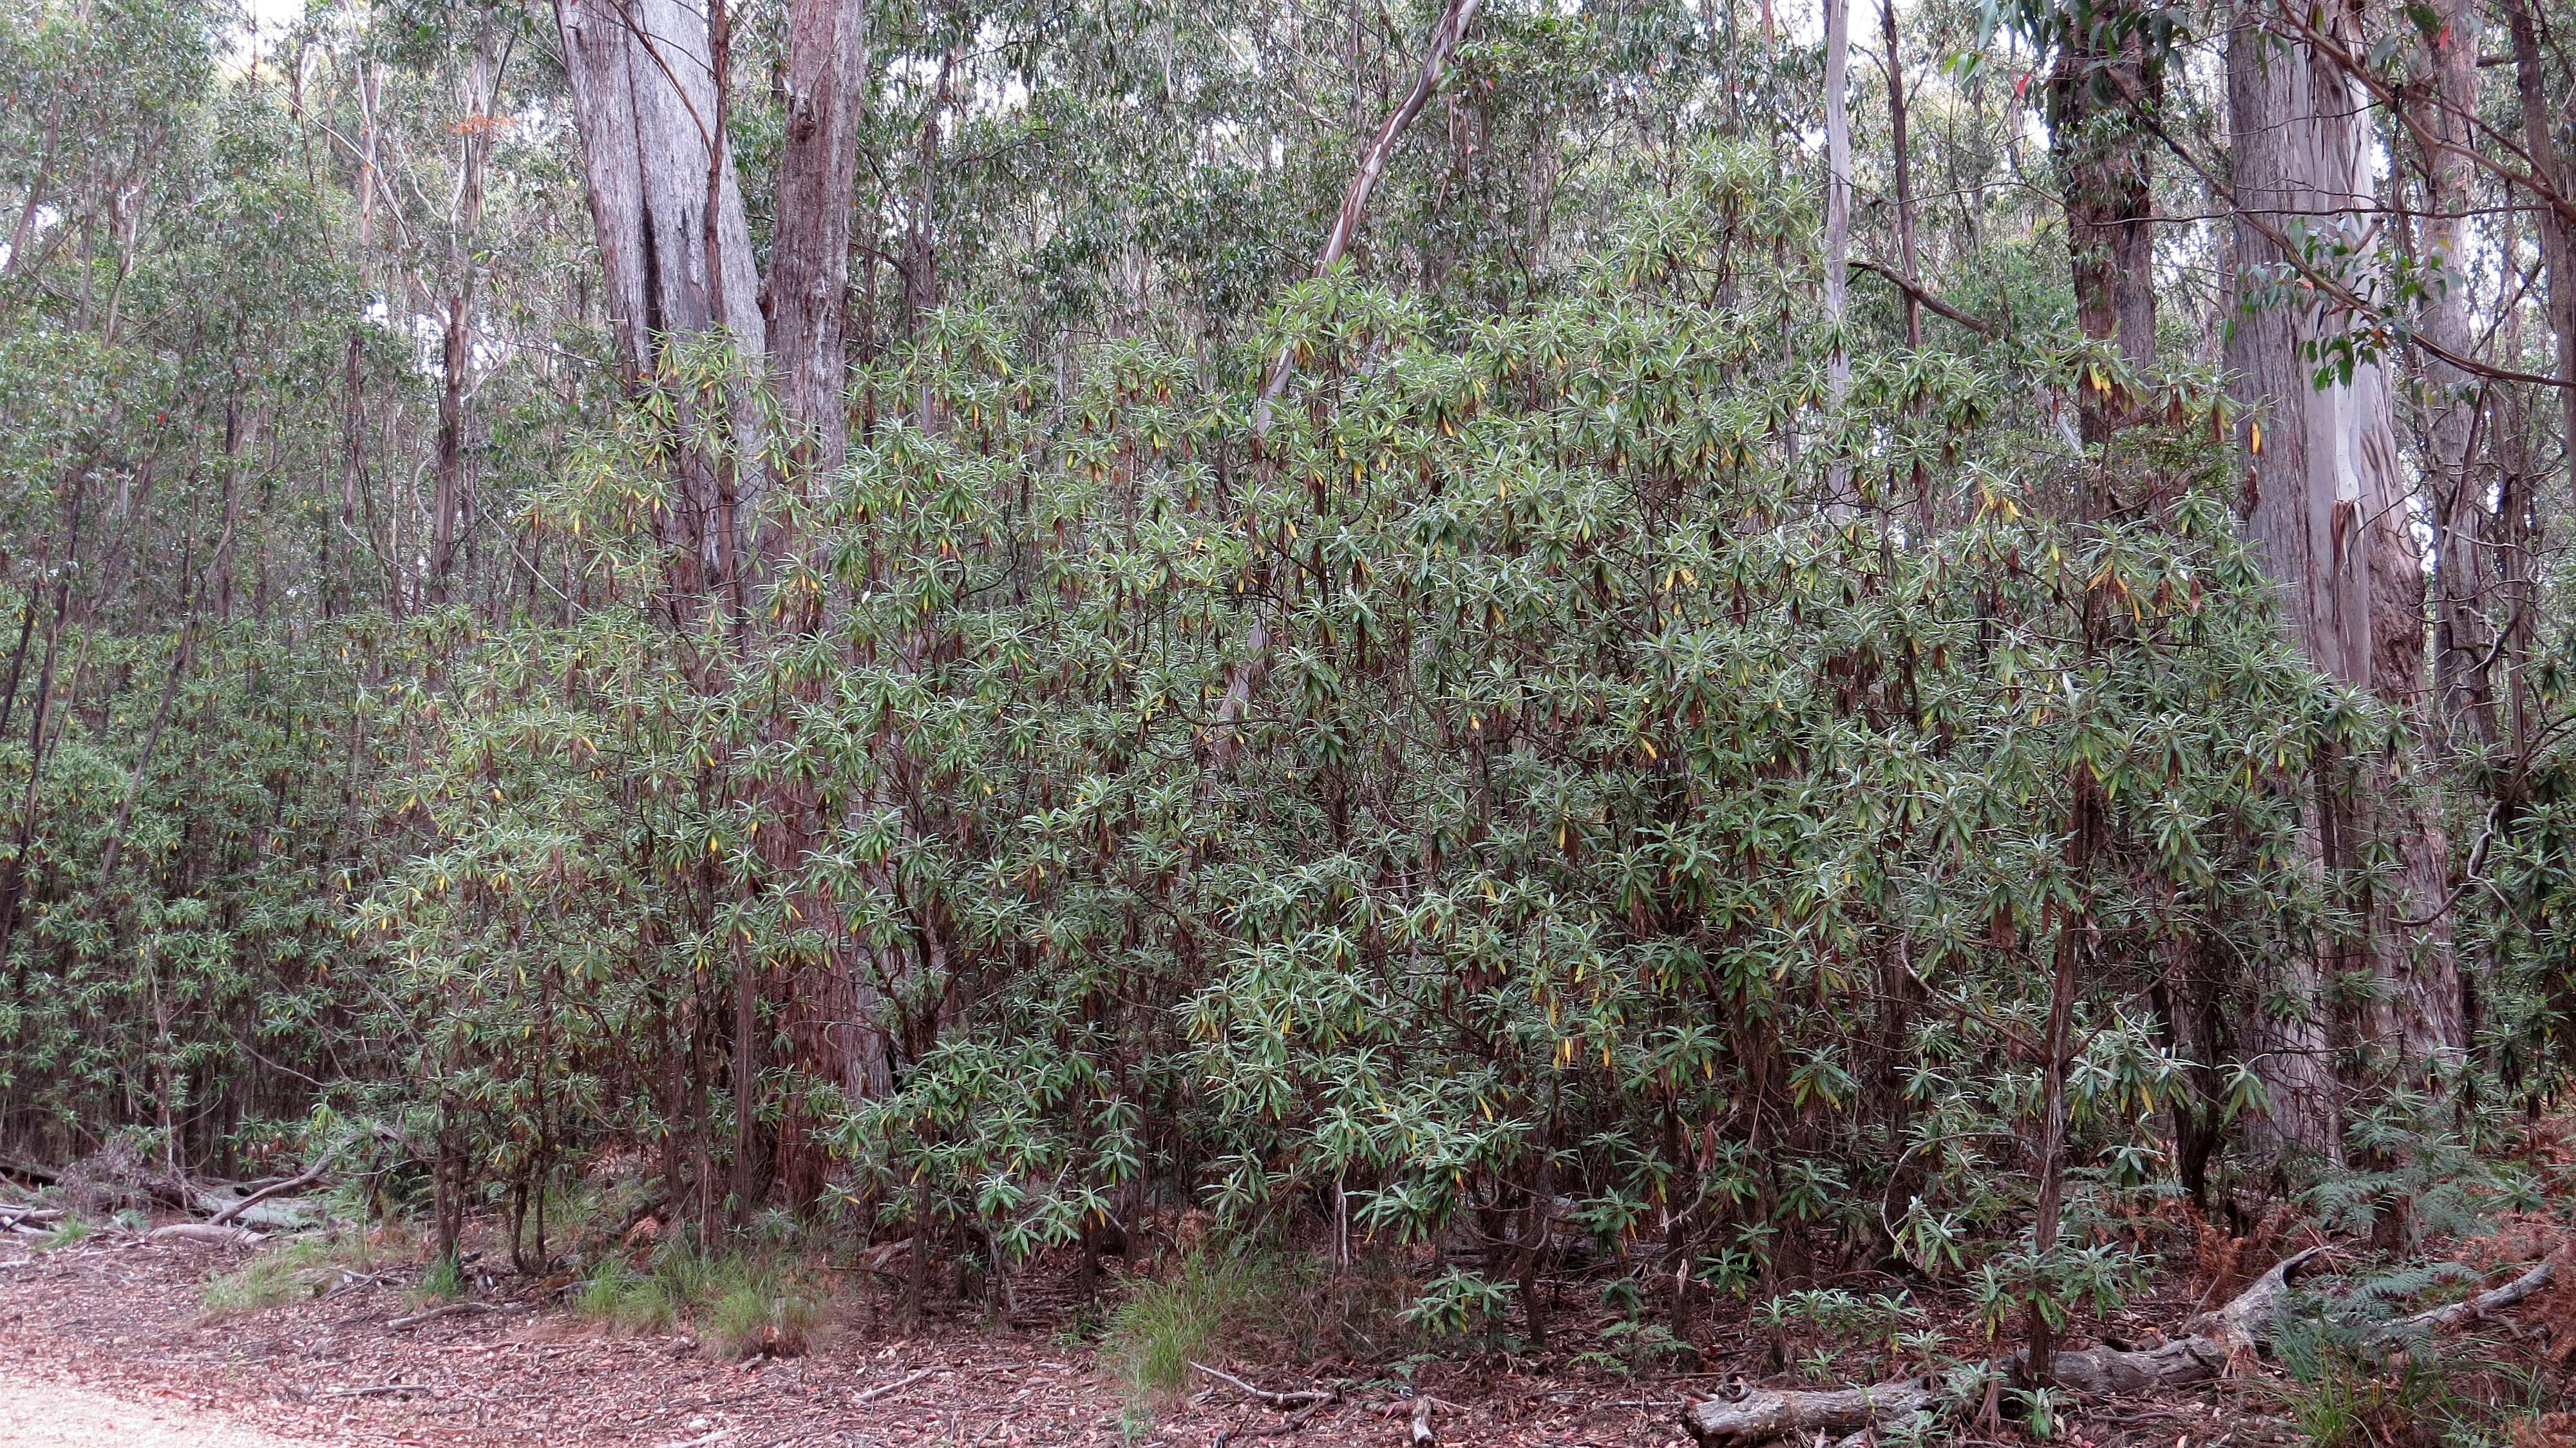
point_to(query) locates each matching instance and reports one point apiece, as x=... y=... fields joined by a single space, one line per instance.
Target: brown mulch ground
x=121 y=1317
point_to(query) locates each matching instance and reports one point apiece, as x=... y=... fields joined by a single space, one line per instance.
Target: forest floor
x=109 y=1342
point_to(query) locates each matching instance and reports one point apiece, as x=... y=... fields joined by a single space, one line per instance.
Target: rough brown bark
x=456 y=355
x=2557 y=238
x=809 y=252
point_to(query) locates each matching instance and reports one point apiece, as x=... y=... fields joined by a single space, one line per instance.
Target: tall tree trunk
x=1905 y=249
x=456 y=368
x=827 y=1003
x=2462 y=632
x=2325 y=508
x=644 y=100
x=2557 y=234
x=1838 y=200
x=809 y=252
x=2101 y=97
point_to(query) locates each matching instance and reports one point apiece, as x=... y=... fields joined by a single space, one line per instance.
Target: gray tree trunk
x=643 y=95
x=2326 y=511
x=643 y=98
x=2463 y=632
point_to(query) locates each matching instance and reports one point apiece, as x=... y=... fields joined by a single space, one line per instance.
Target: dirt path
x=35 y=1413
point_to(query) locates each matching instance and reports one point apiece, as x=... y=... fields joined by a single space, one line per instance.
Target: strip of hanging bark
x=205 y=1232
x=1298 y=1399
x=1445 y=35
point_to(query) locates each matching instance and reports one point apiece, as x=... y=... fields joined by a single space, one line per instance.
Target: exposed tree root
x=2210 y=1343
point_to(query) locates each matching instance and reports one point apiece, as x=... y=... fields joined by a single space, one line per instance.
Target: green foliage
x=1597 y=758
x=72 y=1230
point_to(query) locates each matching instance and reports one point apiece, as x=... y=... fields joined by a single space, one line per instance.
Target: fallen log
x=1763 y=1414
x=1422 y=1435
x=205 y=1232
x=2208 y=1344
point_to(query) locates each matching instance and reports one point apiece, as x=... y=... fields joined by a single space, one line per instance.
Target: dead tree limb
x=295 y=1183
x=1763 y=1414
x=2472 y=1308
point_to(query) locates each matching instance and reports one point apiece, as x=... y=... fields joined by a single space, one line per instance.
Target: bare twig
x=453 y=1309
x=1298 y=1399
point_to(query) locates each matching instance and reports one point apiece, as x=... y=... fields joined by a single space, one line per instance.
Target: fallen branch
x=2209 y=1342
x=297 y=1182
x=378 y=1391
x=409 y=1321
x=2475 y=1307
x=1298 y=1399
x=1422 y=1436
x=204 y=1232
x=889 y=1389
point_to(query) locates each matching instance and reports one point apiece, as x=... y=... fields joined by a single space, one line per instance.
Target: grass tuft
x=1195 y=1315
x=743 y=1306
x=306 y=1267
x=71 y=1231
